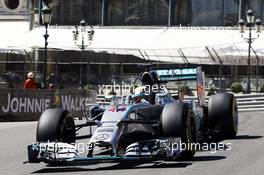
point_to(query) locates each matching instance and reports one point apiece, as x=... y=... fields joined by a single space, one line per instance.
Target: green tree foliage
x=261 y=89
x=184 y=89
x=211 y=91
x=236 y=87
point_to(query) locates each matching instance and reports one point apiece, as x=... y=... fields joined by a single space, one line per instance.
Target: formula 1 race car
x=159 y=128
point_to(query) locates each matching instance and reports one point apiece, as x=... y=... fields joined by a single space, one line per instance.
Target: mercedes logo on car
x=102 y=136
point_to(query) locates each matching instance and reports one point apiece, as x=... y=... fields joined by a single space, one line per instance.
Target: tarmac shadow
x=118 y=166
x=247 y=137
x=238 y=137
x=127 y=165
x=207 y=158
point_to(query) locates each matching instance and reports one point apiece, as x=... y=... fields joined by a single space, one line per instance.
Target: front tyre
x=55 y=125
x=177 y=120
x=223 y=114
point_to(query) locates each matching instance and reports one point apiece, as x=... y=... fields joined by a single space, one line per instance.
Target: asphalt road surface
x=245 y=157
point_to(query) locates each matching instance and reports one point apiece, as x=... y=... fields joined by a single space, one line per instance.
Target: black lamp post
x=46 y=18
x=82 y=43
x=242 y=28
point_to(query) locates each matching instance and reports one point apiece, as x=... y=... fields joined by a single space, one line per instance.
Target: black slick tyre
x=177 y=121
x=55 y=125
x=223 y=115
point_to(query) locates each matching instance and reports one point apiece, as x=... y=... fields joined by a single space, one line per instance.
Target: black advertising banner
x=23 y=105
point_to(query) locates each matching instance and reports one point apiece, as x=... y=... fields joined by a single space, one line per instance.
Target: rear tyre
x=223 y=115
x=55 y=125
x=177 y=121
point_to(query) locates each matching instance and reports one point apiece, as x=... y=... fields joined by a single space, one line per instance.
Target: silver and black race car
x=161 y=127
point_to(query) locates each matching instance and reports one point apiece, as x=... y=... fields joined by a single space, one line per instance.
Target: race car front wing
x=58 y=152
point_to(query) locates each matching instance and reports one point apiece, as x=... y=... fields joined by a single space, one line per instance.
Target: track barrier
x=27 y=105
x=245 y=102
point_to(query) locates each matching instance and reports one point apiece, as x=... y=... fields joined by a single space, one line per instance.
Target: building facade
x=131 y=13
x=102 y=67
x=154 y=12
x=15 y=18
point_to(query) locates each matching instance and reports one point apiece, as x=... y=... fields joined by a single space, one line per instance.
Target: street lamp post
x=79 y=35
x=46 y=18
x=242 y=28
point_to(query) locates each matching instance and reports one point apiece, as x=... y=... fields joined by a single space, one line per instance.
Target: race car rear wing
x=177 y=74
x=184 y=74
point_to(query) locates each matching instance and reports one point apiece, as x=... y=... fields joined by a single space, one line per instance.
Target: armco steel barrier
x=250 y=102
x=245 y=102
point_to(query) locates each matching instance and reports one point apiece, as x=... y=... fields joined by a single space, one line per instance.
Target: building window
x=69 y=12
x=182 y=14
x=12 y=5
x=230 y=13
x=207 y=12
x=256 y=5
x=138 y=12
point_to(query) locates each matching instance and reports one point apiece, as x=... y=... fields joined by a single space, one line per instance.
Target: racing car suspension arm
x=88 y=123
x=79 y=126
x=83 y=137
x=138 y=122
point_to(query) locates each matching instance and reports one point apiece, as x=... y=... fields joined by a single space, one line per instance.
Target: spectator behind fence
x=30 y=82
x=52 y=86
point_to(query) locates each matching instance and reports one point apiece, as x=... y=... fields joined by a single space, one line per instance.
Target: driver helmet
x=139 y=94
